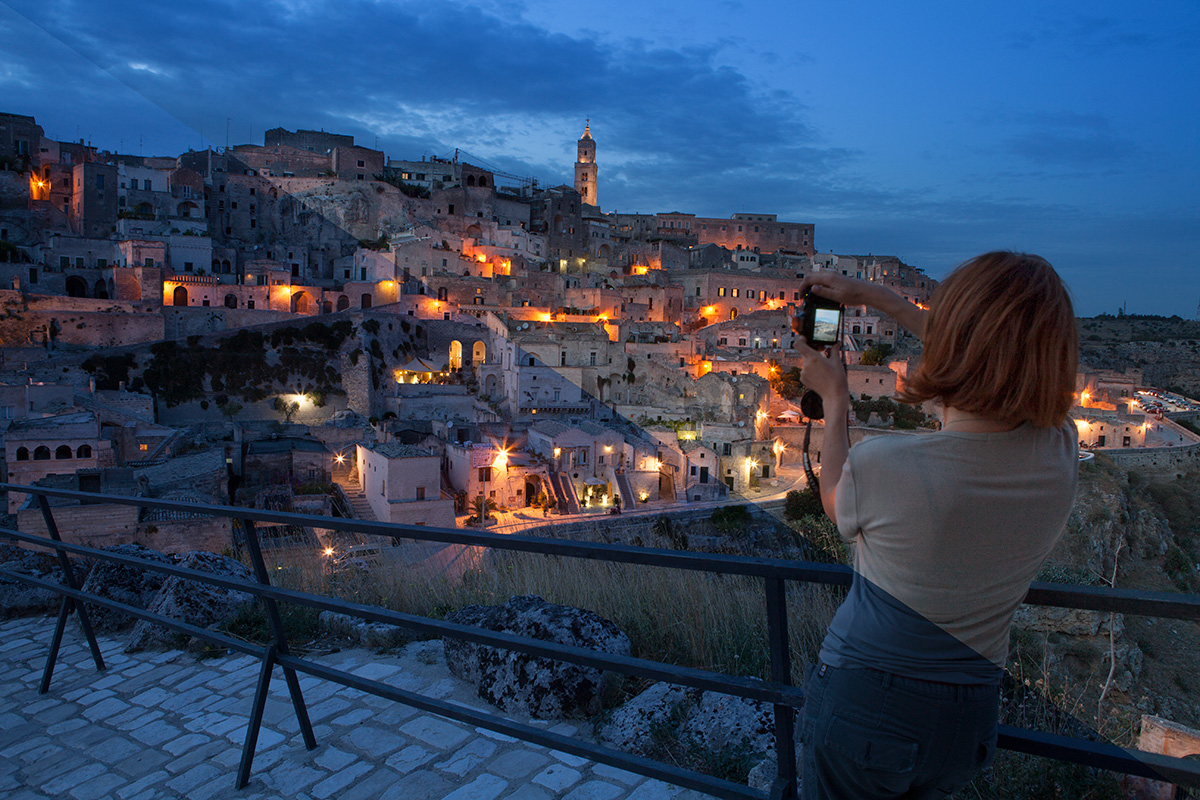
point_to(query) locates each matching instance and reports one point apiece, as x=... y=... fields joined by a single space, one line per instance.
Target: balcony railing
x=779 y=691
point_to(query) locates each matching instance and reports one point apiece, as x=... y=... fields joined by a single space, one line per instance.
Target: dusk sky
x=930 y=131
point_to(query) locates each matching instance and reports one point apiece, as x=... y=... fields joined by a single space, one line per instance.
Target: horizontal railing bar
x=1166 y=605
x=1102 y=755
x=528 y=733
x=766 y=691
x=1136 y=602
x=228 y=642
x=676 y=559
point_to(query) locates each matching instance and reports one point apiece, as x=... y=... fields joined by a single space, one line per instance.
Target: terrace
x=390 y=684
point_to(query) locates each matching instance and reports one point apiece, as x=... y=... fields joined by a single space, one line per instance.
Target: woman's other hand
x=825 y=375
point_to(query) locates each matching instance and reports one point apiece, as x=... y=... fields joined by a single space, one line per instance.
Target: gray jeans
x=868 y=734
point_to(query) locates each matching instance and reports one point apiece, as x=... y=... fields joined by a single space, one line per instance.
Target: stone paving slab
x=168 y=725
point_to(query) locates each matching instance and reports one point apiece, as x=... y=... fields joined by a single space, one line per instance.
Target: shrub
x=805 y=503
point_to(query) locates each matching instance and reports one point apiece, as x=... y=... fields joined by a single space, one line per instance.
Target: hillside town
x=313 y=326
x=309 y=324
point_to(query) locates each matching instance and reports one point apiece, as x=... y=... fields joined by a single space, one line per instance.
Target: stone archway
x=478 y=353
x=343 y=302
x=231 y=301
x=100 y=291
x=456 y=354
x=76 y=287
x=300 y=303
x=489 y=386
x=366 y=301
x=180 y=297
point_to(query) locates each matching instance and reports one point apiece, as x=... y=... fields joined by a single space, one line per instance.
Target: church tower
x=585 y=166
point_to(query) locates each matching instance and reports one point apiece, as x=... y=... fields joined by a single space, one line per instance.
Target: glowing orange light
x=501 y=460
x=339 y=458
x=328 y=551
x=481 y=258
x=710 y=310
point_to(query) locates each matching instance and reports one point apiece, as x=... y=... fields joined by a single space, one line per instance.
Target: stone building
x=403 y=483
x=20 y=138
x=585 y=167
x=58 y=445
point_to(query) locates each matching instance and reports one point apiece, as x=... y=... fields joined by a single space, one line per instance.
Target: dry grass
x=674 y=616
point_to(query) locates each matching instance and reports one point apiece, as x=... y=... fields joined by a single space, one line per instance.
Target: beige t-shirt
x=952 y=527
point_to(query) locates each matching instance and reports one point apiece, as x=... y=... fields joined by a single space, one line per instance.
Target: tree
x=874 y=355
x=287 y=409
x=231 y=409
x=787 y=384
x=482 y=508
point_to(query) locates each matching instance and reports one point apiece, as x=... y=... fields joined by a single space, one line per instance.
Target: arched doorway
x=326 y=307
x=733 y=313
x=604 y=252
x=366 y=301
x=101 y=290
x=76 y=287
x=489 y=385
x=478 y=353
x=343 y=302
x=300 y=303
x=180 y=297
x=456 y=350
x=231 y=301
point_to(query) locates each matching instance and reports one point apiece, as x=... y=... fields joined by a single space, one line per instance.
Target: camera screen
x=825 y=324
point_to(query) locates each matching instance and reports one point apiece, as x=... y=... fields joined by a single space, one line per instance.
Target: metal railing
x=779 y=691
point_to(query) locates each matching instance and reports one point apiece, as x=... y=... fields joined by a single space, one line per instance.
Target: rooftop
x=399 y=450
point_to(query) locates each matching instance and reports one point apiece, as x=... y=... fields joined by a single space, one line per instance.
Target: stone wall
x=1157 y=463
x=104 y=525
x=79 y=321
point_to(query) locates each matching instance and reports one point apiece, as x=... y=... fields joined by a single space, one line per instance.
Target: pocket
x=870 y=748
x=986 y=750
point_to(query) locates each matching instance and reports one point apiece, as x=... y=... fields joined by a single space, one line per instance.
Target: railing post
x=68 y=604
x=785 y=787
x=281 y=646
x=256 y=715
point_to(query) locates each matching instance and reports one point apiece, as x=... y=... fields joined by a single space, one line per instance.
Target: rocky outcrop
x=542 y=687
x=20 y=599
x=665 y=716
x=125 y=584
x=196 y=603
x=359 y=632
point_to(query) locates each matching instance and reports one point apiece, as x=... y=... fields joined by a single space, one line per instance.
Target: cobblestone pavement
x=166 y=724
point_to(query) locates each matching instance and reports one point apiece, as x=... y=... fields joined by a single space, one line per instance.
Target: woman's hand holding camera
x=854 y=292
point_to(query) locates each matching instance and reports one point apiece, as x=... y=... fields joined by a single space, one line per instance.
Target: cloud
x=1069 y=140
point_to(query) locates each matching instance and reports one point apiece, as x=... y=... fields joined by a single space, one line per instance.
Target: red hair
x=1000 y=341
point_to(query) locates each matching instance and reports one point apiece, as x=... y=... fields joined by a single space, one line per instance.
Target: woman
x=948 y=528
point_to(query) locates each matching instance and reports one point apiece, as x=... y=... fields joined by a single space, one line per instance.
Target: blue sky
x=931 y=131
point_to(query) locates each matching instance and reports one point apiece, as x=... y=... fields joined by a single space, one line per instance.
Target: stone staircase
x=359 y=507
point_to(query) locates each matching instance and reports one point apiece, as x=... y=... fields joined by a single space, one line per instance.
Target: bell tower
x=585 y=166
